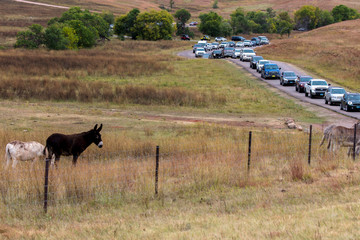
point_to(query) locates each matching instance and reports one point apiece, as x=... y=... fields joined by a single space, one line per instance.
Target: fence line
x=263 y=154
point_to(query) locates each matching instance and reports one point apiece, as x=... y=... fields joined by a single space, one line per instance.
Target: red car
x=300 y=83
x=185 y=37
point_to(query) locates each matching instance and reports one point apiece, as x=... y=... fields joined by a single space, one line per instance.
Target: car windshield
x=215 y=43
x=200 y=49
x=248 y=51
x=217 y=51
x=354 y=97
x=197 y=45
x=229 y=49
x=263 y=62
x=257 y=58
x=338 y=91
x=321 y=83
x=237 y=50
x=289 y=74
x=247 y=41
x=272 y=67
x=305 y=79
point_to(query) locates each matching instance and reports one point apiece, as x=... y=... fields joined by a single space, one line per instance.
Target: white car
x=246 y=54
x=199 y=52
x=208 y=47
x=260 y=64
x=220 y=39
x=316 y=87
x=247 y=43
x=214 y=45
x=223 y=44
x=239 y=44
x=237 y=53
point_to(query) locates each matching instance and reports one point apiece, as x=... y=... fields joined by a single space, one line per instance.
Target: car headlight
x=285 y=79
x=349 y=102
x=266 y=72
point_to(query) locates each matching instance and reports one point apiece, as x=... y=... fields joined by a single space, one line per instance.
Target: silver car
x=333 y=95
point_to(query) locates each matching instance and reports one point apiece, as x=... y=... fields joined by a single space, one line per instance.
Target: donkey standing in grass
x=66 y=145
x=23 y=151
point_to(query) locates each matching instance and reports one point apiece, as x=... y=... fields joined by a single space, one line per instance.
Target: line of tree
x=153 y=25
x=306 y=18
x=75 y=29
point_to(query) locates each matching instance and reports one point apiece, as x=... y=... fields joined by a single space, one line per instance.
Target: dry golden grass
x=330 y=52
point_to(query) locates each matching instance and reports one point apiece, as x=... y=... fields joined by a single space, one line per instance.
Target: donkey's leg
x=14 y=162
x=75 y=157
x=7 y=161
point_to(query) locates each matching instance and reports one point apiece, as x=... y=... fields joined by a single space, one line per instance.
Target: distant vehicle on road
x=236 y=53
x=185 y=37
x=260 y=64
x=239 y=44
x=220 y=39
x=215 y=45
x=316 y=87
x=263 y=40
x=237 y=38
x=256 y=40
x=350 y=101
x=287 y=78
x=253 y=60
x=300 y=83
x=193 y=23
x=231 y=44
x=270 y=70
x=247 y=43
x=229 y=51
x=334 y=94
x=246 y=54
x=217 y=54
x=223 y=44
x=199 y=52
x=205 y=37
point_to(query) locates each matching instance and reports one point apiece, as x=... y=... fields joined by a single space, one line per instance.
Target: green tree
x=284 y=24
x=182 y=16
x=271 y=13
x=154 y=25
x=239 y=22
x=32 y=38
x=171 y=3
x=343 y=13
x=72 y=38
x=87 y=35
x=307 y=17
x=125 y=23
x=108 y=17
x=210 y=24
x=55 y=38
x=215 y=4
x=325 y=18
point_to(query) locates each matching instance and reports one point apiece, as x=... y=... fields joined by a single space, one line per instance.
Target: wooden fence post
x=354 y=141
x=249 y=152
x=310 y=140
x=157 y=170
x=46 y=184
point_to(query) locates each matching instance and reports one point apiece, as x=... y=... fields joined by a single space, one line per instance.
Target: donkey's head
x=96 y=136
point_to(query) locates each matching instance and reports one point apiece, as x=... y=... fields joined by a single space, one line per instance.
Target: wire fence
x=108 y=177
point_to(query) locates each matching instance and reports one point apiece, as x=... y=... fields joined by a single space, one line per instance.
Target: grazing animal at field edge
x=23 y=151
x=66 y=145
x=341 y=136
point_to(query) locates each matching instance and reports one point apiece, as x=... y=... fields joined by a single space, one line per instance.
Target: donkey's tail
x=46 y=151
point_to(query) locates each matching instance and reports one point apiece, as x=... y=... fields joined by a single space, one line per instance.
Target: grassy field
x=205 y=190
x=330 y=52
x=199 y=112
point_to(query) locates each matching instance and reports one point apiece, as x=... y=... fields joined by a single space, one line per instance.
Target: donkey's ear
x=99 y=129
x=95 y=127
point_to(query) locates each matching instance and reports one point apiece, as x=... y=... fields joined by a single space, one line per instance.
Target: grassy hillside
x=331 y=52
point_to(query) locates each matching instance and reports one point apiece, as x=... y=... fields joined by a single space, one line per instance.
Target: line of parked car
x=222 y=48
x=313 y=88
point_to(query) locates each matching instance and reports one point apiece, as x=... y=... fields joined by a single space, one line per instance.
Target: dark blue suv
x=270 y=70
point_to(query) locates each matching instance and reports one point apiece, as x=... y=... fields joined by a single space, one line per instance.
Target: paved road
x=290 y=90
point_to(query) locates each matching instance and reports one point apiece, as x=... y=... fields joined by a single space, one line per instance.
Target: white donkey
x=23 y=151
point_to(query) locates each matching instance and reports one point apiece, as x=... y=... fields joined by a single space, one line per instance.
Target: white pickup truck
x=316 y=87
